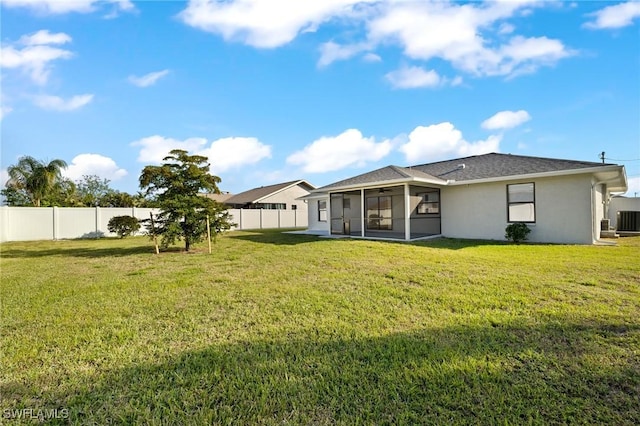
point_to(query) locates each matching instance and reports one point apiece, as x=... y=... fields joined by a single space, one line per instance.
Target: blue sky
x=277 y=90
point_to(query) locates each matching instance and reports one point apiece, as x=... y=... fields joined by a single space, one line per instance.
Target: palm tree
x=35 y=177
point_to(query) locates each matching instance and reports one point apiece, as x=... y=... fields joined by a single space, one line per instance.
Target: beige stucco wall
x=313 y=223
x=563 y=210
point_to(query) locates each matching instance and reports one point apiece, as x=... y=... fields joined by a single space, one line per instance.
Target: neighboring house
x=281 y=196
x=562 y=201
x=221 y=198
x=624 y=214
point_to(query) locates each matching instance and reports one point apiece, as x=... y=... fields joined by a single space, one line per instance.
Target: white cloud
x=223 y=154
x=56 y=103
x=147 y=79
x=36 y=56
x=461 y=35
x=264 y=24
x=371 y=57
x=234 y=152
x=44 y=37
x=443 y=140
x=331 y=153
x=155 y=148
x=413 y=77
x=58 y=7
x=616 y=16
x=506 y=28
x=331 y=52
x=473 y=37
x=93 y=164
x=506 y=120
x=525 y=55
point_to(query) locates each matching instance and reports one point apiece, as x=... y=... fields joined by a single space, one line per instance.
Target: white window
x=521 y=202
x=322 y=210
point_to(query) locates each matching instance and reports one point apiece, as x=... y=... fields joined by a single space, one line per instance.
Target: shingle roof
x=484 y=166
x=255 y=194
x=499 y=165
x=387 y=173
x=221 y=198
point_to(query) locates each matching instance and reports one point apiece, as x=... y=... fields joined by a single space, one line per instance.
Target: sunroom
x=400 y=212
x=390 y=203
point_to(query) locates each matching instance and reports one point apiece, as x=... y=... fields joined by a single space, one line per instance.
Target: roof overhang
x=614 y=173
x=382 y=184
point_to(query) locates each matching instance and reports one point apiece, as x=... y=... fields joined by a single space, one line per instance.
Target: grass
x=289 y=329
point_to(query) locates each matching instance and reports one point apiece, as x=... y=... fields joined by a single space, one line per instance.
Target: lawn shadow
x=493 y=374
x=85 y=252
x=275 y=237
x=279 y=237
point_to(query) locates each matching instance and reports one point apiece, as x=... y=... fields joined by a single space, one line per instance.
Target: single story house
x=562 y=201
x=221 y=198
x=281 y=196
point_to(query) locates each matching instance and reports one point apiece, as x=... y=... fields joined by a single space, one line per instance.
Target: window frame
x=424 y=202
x=380 y=218
x=320 y=210
x=518 y=203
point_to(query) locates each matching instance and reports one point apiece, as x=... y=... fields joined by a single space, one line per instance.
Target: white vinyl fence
x=55 y=223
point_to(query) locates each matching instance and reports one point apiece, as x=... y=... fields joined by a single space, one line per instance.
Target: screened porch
x=402 y=212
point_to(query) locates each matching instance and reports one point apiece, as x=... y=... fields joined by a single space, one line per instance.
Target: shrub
x=123 y=225
x=517 y=232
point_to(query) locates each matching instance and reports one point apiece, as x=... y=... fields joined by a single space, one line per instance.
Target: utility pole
x=602 y=156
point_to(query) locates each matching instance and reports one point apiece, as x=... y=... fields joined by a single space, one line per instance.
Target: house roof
x=221 y=198
x=492 y=166
x=385 y=174
x=256 y=194
x=496 y=165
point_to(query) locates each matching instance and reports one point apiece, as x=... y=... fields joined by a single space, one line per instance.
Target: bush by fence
x=55 y=223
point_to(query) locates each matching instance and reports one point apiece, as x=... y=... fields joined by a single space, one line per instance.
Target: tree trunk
x=187 y=244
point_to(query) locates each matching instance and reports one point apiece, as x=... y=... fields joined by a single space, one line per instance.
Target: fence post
x=97 y=220
x=56 y=220
x=279 y=219
x=4 y=218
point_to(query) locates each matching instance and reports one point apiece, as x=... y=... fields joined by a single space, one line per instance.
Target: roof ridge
x=513 y=155
x=400 y=170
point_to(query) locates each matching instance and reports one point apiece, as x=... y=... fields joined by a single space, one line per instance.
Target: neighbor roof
x=256 y=194
x=477 y=167
x=221 y=198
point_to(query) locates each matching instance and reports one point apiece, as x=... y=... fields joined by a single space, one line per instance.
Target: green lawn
x=290 y=329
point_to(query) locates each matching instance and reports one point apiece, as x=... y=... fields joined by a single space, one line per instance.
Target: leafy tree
x=177 y=185
x=93 y=190
x=16 y=197
x=62 y=194
x=36 y=178
x=118 y=199
x=123 y=225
